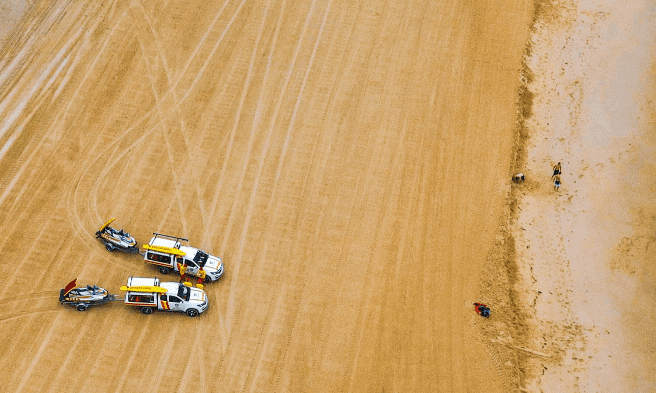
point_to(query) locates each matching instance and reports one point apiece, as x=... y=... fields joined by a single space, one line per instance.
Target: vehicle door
x=164 y=302
x=192 y=267
x=175 y=303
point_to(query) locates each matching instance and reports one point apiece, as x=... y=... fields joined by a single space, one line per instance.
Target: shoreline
x=571 y=268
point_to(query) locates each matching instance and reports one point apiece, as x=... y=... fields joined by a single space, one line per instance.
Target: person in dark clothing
x=482 y=309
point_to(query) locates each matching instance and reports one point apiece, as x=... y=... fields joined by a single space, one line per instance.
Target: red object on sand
x=479 y=307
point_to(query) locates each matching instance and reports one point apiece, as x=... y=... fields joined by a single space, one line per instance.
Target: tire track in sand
x=260 y=164
x=395 y=190
x=348 y=67
x=274 y=293
x=28 y=312
x=165 y=129
x=176 y=108
x=114 y=144
x=27 y=372
x=235 y=311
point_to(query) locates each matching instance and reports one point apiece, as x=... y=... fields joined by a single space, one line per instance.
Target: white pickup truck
x=166 y=251
x=150 y=294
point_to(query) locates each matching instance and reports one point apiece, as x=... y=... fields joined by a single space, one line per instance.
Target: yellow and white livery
x=168 y=254
x=150 y=294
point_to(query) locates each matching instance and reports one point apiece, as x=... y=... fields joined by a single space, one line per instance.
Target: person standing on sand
x=556 y=182
x=201 y=277
x=182 y=268
x=556 y=170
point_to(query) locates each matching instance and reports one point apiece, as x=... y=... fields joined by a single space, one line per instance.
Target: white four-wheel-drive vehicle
x=114 y=239
x=150 y=294
x=166 y=252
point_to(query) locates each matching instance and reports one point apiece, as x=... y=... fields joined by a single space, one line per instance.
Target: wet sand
x=586 y=253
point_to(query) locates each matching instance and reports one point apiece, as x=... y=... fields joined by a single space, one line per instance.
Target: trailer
x=169 y=254
x=149 y=294
x=84 y=297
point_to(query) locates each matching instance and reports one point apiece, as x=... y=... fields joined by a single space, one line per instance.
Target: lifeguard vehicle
x=166 y=252
x=85 y=297
x=150 y=294
x=114 y=239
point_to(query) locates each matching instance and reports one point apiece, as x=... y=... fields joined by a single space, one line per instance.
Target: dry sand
x=342 y=157
x=587 y=253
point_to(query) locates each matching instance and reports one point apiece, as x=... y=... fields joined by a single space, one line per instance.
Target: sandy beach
x=340 y=156
x=350 y=161
x=586 y=253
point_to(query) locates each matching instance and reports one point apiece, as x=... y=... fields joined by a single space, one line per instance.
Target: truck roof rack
x=170 y=237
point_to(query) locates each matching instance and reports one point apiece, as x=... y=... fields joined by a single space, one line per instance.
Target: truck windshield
x=183 y=292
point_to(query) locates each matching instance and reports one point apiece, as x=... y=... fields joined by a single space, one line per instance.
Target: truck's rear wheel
x=146 y=310
x=192 y=312
x=109 y=247
x=164 y=270
x=81 y=307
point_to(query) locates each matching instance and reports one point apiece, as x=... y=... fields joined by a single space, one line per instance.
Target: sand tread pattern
x=339 y=156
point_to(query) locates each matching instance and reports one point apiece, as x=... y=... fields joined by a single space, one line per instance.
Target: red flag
x=69 y=287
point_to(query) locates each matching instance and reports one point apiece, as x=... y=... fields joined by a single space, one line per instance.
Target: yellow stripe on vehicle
x=165 y=250
x=143 y=288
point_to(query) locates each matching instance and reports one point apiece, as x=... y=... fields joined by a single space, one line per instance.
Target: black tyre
x=109 y=247
x=192 y=312
x=81 y=307
x=146 y=310
x=164 y=270
x=207 y=279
